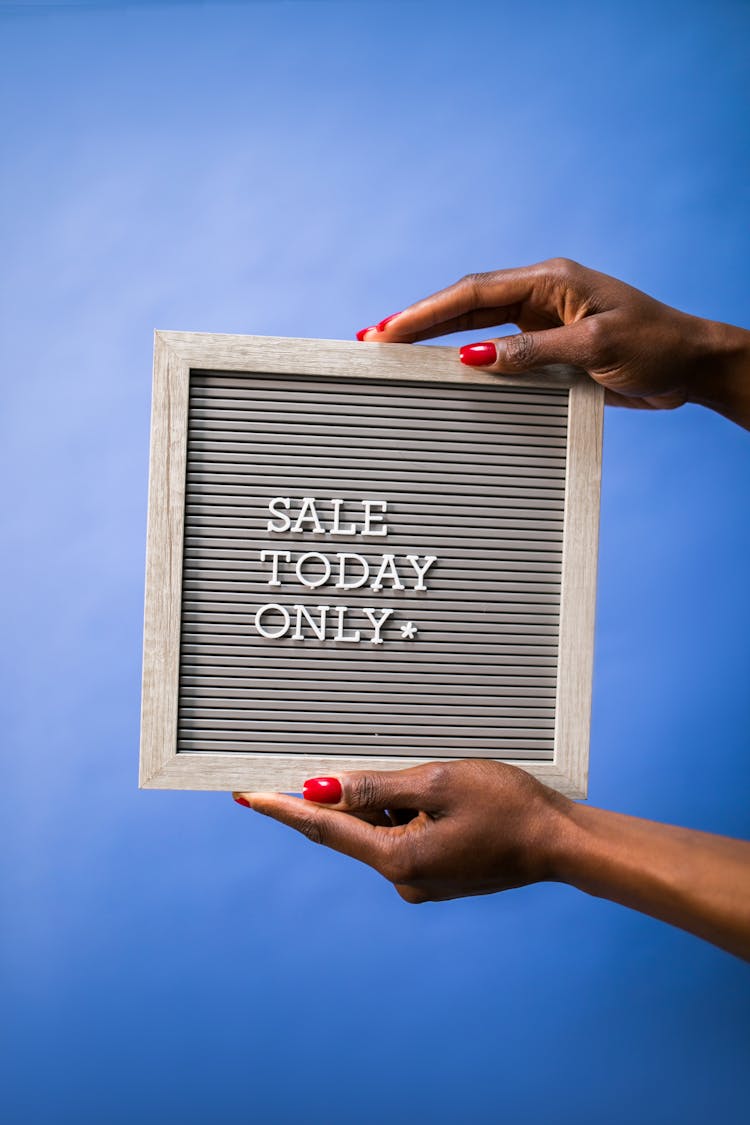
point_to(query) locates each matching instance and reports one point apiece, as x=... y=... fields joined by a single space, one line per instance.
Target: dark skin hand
x=454 y=829
x=450 y=829
x=644 y=353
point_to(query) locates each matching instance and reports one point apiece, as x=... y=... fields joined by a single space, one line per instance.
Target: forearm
x=722 y=378
x=694 y=880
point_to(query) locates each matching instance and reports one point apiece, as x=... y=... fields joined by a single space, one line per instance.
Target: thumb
x=371 y=791
x=572 y=344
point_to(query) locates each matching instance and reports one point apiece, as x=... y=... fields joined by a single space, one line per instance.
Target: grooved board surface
x=473 y=477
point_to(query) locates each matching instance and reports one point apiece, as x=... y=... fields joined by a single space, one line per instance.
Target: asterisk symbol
x=408 y=631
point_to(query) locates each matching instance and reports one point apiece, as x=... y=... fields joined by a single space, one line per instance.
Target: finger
x=500 y=290
x=331 y=827
x=613 y=398
x=473 y=321
x=362 y=791
x=573 y=344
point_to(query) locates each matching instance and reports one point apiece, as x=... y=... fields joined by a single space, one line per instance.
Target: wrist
x=574 y=843
x=558 y=838
x=721 y=373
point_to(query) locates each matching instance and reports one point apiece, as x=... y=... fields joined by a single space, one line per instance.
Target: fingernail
x=324 y=790
x=478 y=355
x=382 y=326
x=241 y=801
x=363 y=332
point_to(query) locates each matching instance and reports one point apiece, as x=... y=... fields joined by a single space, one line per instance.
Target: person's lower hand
x=437 y=831
x=451 y=829
x=643 y=352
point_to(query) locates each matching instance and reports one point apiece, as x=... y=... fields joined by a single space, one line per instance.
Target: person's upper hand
x=643 y=352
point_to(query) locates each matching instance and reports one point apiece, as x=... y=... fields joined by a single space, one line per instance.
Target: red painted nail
x=363 y=332
x=242 y=801
x=324 y=790
x=381 y=327
x=478 y=355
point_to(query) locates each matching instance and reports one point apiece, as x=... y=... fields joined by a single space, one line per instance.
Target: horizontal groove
x=468 y=608
x=524 y=645
x=348 y=401
x=516 y=747
x=445 y=582
x=484 y=598
x=371 y=725
x=529 y=738
x=210 y=406
x=233 y=519
x=449 y=556
x=527 y=636
x=210 y=700
x=482 y=672
x=401 y=503
x=361 y=713
x=506 y=569
x=342 y=684
x=502 y=594
x=193 y=620
x=370 y=386
x=358 y=461
x=412 y=660
x=281 y=485
x=206 y=439
x=461 y=423
x=428 y=622
x=499 y=749
x=515 y=437
x=400 y=533
x=469 y=626
x=539 y=437
x=211 y=384
x=503 y=587
x=469 y=582
x=482 y=676
x=228 y=413
x=214 y=548
x=330 y=427
x=547 y=486
x=215 y=535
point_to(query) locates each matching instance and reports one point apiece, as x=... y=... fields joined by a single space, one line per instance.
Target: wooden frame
x=175 y=355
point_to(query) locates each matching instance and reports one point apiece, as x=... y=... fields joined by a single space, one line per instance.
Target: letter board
x=365 y=556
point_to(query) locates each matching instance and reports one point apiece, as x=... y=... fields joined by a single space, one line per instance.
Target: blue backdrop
x=305 y=169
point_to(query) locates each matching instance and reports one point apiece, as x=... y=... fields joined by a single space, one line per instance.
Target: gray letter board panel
x=474 y=476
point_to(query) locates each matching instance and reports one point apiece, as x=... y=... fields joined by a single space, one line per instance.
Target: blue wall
x=306 y=169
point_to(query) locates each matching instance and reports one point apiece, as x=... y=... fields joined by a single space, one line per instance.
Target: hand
x=451 y=829
x=644 y=353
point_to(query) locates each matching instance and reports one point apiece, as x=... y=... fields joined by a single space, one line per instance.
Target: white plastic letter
x=308 y=513
x=326 y=569
x=271 y=634
x=421 y=570
x=275 y=556
x=318 y=629
x=336 y=528
x=377 y=623
x=354 y=584
x=352 y=637
x=273 y=507
x=370 y=518
x=387 y=567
